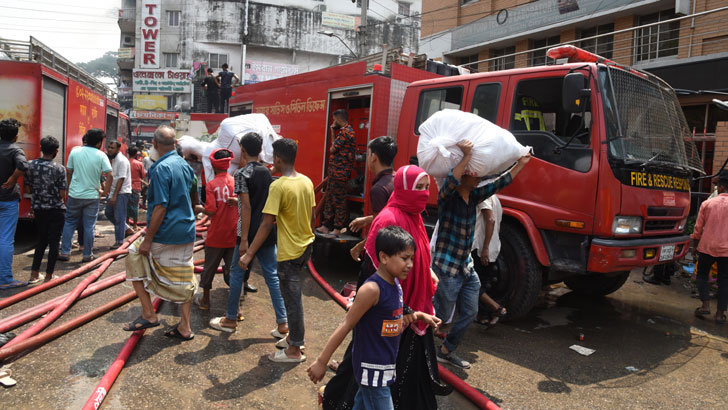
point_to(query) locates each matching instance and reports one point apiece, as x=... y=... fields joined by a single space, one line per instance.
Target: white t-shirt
x=120 y=168
x=494 y=246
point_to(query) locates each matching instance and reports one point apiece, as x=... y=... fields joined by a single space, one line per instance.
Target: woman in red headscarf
x=416 y=355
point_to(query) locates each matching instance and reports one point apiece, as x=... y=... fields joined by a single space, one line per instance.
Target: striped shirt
x=457 y=225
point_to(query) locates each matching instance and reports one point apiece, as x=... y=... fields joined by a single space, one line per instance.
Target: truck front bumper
x=615 y=255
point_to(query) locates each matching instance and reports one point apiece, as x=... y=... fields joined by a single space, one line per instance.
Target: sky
x=80 y=30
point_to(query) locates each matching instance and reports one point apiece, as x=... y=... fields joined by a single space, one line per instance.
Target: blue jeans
x=459 y=292
x=373 y=398
x=117 y=215
x=85 y=210
x=8 y=223
x=267 y=259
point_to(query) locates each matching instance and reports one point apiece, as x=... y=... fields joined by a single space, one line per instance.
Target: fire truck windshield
x=644 y=122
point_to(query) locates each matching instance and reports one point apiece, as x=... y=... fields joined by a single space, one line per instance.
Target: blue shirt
x=376 y=337
x=170 y=181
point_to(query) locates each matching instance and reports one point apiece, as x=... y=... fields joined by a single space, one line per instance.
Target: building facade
x=166 y=45
x=685 y=42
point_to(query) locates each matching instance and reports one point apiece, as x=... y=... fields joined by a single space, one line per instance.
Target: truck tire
x=596 y=284
x=517 y=283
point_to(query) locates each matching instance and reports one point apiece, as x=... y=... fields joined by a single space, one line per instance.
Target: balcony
x=127 y=20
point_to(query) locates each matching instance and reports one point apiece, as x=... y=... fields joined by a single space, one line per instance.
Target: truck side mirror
x=574 y=93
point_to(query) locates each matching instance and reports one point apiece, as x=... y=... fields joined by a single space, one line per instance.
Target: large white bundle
x=207 y=165
x=232 y=129
x=494 y=149
x=191 y=145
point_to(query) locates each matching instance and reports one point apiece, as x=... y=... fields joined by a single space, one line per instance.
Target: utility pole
x=363 y=27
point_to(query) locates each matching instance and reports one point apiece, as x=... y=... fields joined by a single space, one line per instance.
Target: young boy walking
x=459 y=286
x=46 y=182
x=290 y=205
x=220 y=241
x=252 y=183
x=377 y=319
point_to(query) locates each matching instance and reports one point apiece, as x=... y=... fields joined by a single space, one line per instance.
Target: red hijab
x=403 y=210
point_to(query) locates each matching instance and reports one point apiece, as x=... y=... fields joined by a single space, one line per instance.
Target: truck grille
x=664 y=211
x=659 y=225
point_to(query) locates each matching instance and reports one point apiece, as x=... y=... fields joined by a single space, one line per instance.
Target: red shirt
x=137 y=174
x=223 y=225
x=711 y=228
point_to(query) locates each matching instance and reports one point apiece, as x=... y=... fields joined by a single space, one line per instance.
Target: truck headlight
x=627 y=225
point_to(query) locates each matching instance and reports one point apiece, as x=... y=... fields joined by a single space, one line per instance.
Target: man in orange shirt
x=137 y=179
x=710 y=242
x=222 y=233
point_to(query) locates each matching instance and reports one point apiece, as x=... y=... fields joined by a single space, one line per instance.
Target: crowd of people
x=410 y=289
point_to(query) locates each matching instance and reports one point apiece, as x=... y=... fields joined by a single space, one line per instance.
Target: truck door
x=559 y=184
x=357 y=103
x=112 y=124
x=53 y=114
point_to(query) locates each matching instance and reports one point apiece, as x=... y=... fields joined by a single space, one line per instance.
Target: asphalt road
x=649 y=351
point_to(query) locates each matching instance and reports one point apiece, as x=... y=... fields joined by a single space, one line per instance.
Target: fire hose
x=465 y=389
x=37 y=340
x=65 y=278
x=94 y=402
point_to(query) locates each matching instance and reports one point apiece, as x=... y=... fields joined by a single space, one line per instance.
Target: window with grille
x=602 y=44
x=467 y=61
x=538 y=57
x=217 y=60
x=173 y=18
x=504 y=59
x=403 y=8
x=657 y=41
x=170 y=59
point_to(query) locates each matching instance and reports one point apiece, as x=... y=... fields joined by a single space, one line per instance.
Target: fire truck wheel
x=597 y=284
x=518 y=282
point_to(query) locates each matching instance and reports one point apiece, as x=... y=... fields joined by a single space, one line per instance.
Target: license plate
x=667 y=253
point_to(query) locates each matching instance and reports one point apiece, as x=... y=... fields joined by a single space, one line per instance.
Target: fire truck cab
x=608 y=187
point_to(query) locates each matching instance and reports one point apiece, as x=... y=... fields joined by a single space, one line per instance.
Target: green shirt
x=87 y=164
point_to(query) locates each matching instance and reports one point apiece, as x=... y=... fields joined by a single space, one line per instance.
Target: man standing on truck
x=710 y=238
x=341 y=162
x=212 y=91
x=459 y=285
x=12 y=166
x=227 y=80
x=120 y=191
x=84 y=169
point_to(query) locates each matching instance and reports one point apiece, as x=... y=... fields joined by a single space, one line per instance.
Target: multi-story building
x=683 y=41
x=164 y=43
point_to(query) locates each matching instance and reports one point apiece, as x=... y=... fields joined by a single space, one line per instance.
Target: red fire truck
x=608 y=188
x=51 y=96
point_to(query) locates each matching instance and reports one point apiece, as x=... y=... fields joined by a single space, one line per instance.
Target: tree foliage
x=104 y=66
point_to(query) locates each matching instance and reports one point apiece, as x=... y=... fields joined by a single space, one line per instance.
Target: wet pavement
x=650 y=352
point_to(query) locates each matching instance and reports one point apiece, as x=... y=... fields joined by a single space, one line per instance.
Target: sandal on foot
x=139 y=324
x=280 y=356
x=14 y=284
x=278 y=335
x=701 y=313
x=216 y=323
x=175 y=334
x=721 y=320
x=33 y=281
x=497 y=315
x=283 y=344
x=199 y=304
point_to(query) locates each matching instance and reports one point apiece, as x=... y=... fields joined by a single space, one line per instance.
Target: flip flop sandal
x=175 y=334
x=216 y=323
x=281 y=357
x=139 y=324
x=240 y=317
x=5 y=378
x=283 y=344
x=197 y=303
x=701 y=313
x=13 y=285
x=34 y=281
x=275 y=333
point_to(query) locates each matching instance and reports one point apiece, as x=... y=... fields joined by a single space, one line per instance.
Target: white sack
x=494 y=149
x=232 y=129
x=191 y=145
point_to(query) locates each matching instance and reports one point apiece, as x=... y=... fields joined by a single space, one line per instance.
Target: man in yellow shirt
x=290 y=205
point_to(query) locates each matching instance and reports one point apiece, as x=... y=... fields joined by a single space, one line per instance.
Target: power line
x=58 y=12
x=55 y=19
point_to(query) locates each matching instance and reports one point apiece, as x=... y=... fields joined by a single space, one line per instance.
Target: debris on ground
x=584 y=351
